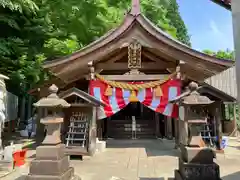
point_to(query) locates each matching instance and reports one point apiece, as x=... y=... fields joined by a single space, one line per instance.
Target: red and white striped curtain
x=120 y=98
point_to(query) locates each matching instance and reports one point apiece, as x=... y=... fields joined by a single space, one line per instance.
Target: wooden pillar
x=176 y=129
x=176 y=121
x=234 y=130
x=93 y=123
x=92 y=133
x=157 y=124
x=183 y=132
x=169 y=128
x=165 y=127
x=218 y=125
x=29 y=107
x=235 y=4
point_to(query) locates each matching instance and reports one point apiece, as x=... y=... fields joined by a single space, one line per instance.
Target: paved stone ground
x=142 y=160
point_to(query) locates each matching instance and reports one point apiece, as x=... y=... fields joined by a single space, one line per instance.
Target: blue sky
x=209 y=25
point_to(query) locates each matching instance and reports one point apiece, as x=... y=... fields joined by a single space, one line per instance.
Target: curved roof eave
x=163 y=36
x=224 y=3
x=105 y=39
x=148 y=26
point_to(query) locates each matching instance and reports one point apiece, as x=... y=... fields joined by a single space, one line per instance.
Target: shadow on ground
x=156 y=147
x=234 y=176
x=236 y=147
x=21 y=178
x=14 y=137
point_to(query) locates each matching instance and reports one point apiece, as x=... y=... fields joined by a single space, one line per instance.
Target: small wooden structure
x=79 y=130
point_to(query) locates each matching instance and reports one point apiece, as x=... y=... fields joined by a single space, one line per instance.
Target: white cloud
x=215 y=29
x=214 y=37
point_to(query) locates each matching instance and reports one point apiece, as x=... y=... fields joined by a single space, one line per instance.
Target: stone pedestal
x=197 y=164
x=51 y=164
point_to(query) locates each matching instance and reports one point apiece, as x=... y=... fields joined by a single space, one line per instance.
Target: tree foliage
x=19 y=47
x=37 y=30
x=228 y=54
x=176 y=21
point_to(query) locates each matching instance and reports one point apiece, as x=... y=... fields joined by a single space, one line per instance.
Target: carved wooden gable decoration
x=134 y=55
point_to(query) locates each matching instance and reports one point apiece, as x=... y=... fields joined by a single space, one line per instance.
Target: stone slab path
x=143 y=160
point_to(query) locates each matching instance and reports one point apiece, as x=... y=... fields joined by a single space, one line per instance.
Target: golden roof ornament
x=134 y=55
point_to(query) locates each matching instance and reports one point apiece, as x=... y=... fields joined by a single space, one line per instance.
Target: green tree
x=154 y=10
x=34 y=31
x=227 y=54
x=18 y=43
x=176 y=21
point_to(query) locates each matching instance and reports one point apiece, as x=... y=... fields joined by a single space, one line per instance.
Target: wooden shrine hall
x=136 y=69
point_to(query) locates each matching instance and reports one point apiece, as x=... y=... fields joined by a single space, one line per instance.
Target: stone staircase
x=122 y=129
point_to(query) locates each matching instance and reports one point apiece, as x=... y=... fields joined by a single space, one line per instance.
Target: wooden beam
x=124 y=66
x=115 y=57
x=157 y=59
x=136 y=77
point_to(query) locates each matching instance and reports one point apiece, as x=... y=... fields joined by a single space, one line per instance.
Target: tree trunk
x=22 y=109
x=29 y=107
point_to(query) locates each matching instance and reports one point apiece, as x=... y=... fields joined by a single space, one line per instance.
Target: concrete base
x=177 y=176
x=100 y=146
x=68 y=175
x=49 y=167
x=197 y=171
x=51 y=164
x=197 y=155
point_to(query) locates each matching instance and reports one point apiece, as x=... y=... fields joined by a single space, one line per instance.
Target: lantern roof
x=192 y=97
x=52 y=100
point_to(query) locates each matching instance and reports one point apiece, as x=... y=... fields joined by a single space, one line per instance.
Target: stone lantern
x=193 y=113
x=51 y=161
x=196 y=160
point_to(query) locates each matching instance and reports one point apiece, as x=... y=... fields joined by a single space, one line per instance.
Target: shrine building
x=134 y=70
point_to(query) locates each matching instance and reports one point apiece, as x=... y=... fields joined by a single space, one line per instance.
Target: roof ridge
x=135 y=9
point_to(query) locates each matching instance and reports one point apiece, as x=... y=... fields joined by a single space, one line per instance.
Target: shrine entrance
x=135 y=62
x=135 y=121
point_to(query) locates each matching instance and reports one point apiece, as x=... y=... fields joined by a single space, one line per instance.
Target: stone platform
x=140 y=160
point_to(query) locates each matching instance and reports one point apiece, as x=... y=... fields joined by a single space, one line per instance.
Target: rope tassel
x=133 y=97
x=109 y=91
x=158 y=91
